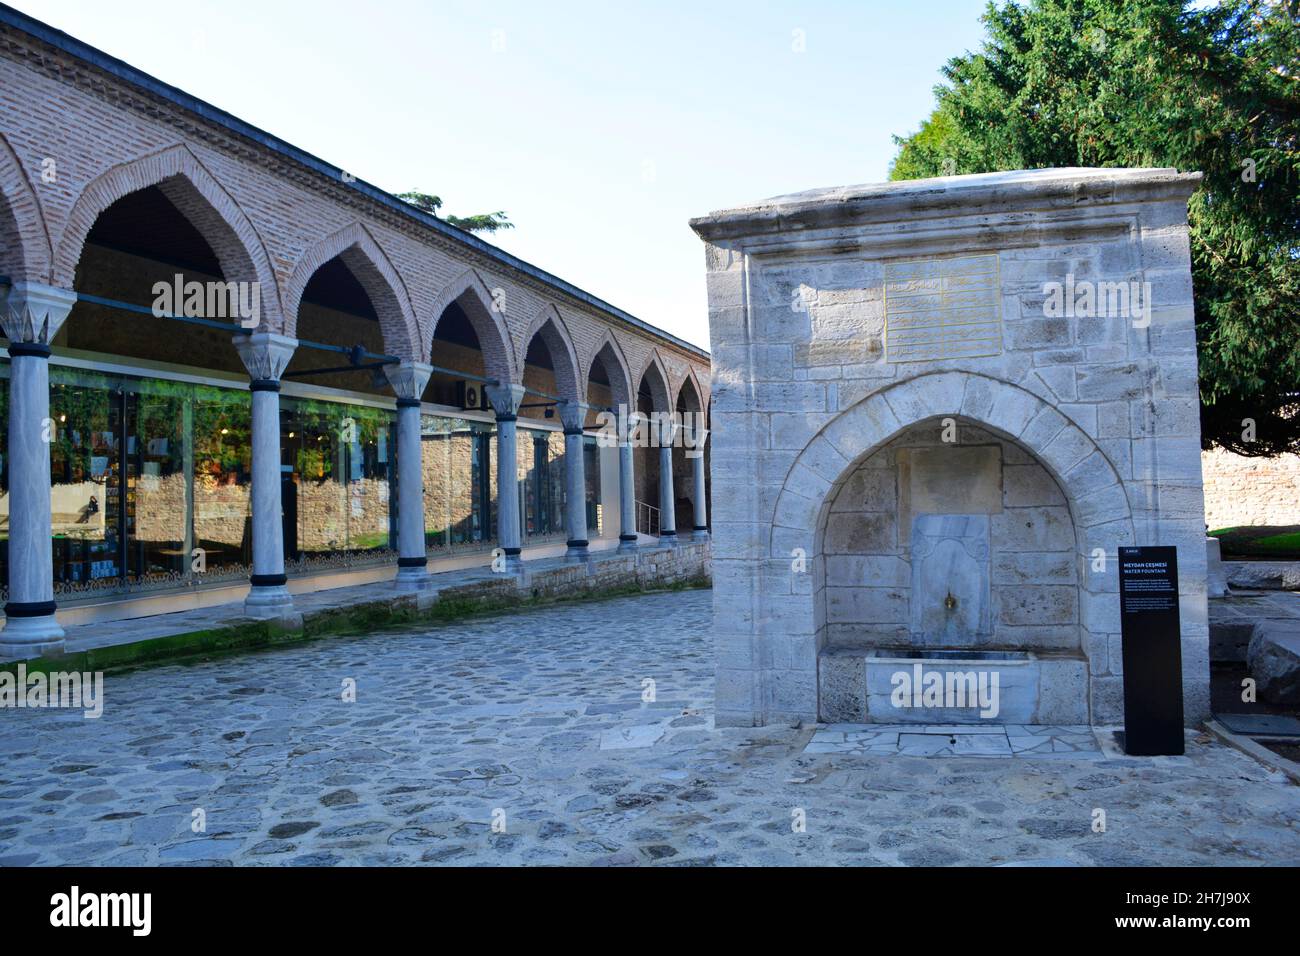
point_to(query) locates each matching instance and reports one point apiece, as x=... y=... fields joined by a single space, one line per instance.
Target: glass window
x=554 y=489
x=4 y=480
x=156 y=505
x=88 y=523
x=591 y=472
x=335 y=481
x=222 y=479
x=541 y=482
x=458 y=484
x=151 y=482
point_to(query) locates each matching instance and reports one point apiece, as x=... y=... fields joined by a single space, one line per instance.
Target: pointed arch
x=197 y=195
x=618 y=371
x=689 y=389
x=372 y=268
x=24 y=239
x=550 y=326
x=484 y=316
x=655 y=374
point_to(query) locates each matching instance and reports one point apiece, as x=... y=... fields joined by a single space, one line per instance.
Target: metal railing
x=647 y=519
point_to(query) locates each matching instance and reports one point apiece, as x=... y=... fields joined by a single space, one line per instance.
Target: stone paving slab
x=479 y=742
x=947 y=740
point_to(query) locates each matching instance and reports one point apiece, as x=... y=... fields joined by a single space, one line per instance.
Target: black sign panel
x=1153 y=658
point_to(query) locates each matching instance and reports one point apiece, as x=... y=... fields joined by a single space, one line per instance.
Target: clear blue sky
x=601 y=128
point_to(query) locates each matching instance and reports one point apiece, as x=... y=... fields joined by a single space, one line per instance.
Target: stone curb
x=1250 y=748
x=649 y=570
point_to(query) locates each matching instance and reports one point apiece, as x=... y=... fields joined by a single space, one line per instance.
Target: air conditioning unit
x=469 y=395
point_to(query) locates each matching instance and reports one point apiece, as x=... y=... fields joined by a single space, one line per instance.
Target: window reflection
x=151 y=483
x=458 y=482
x=335 y=468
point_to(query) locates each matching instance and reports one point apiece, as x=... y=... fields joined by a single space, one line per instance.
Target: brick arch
x=24 y=239
x=620 y=376
x=374 y=270
x=550 y=326
x=198 y=196
x=472 y=293
x=654 y=369
x=690 y=381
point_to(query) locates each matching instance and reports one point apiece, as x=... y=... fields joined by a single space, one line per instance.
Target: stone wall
x=1250 y=491
x=647 y=567
x=1032 y=589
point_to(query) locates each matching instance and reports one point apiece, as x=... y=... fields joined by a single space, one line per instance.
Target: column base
x=411 y=577
x=627 y=542
x=667 y=539
x=268 y=600
x=700 y=534
x=30 y=636
x=576 y=551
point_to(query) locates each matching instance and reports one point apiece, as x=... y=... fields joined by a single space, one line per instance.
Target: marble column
x=266 y=355
x=32 y=316
x=701 y=529
x=505 y=401
x=668 y=428
x=574 y=415
x=627 y=539
x=408 y=380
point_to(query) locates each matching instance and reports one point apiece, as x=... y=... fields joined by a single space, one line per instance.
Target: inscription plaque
x=942 y=308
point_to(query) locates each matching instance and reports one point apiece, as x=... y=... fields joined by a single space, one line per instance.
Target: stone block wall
x=1250 y=491
x=869 y=569
x=648 y=567
x=819 y=360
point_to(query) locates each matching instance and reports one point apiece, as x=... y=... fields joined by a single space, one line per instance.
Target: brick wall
x=269 y=220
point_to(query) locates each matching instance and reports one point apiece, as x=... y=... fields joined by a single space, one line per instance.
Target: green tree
x=483 y=222
x=1157 y=83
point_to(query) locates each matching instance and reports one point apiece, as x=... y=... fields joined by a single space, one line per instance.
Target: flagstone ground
x=536 y=720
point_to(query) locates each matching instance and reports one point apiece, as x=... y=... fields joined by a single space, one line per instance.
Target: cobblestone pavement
x=535 y=721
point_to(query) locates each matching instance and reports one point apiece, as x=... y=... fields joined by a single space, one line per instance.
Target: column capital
x=505 y=399
x=573 y=415
x=408 y=379
x=265 y=354
x=34 y=313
